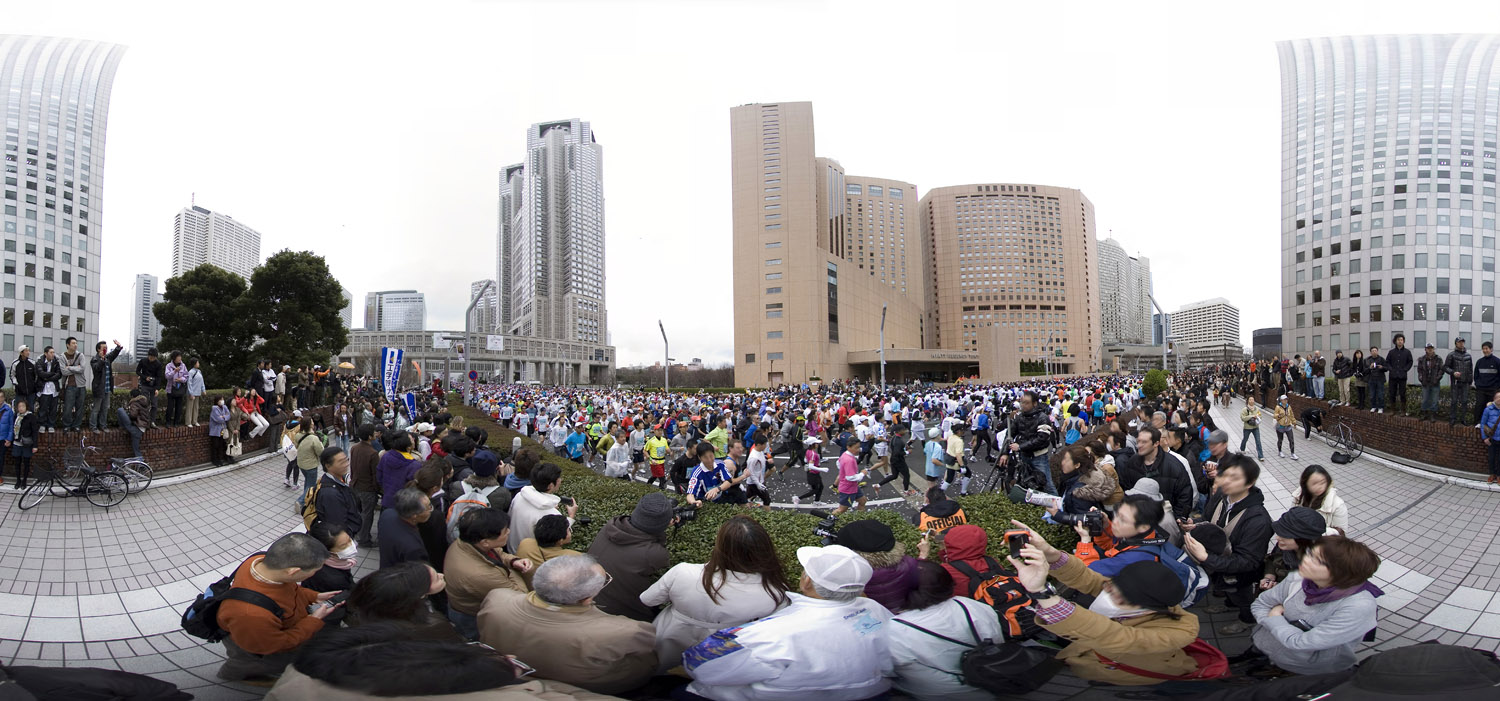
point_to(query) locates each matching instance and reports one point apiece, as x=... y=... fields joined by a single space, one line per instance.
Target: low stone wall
x=165 y=448
x=1430 y=442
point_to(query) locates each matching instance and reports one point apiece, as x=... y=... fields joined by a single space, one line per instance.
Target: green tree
x=1156 y=383
x=203 y=315
x=294 y=303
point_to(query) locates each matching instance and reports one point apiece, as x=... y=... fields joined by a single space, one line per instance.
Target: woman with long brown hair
x=743 y=580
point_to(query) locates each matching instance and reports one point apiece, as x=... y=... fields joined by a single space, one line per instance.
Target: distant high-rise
x=1211 y=330
x=486 y=312
x=1124 y=295
x=551 y=238
x=202 y=236
x=395 y=310
x=1019 y=256
x=347 y=313
x=1388 y=195
x=1161 y=328
x=56 y=115
x=145 y=330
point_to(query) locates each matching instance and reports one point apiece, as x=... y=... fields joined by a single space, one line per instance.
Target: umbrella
x=346 y=365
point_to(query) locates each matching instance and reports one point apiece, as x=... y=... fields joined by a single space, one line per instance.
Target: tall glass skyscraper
x=1388 y=191
x=551 y=262
x=56 y=94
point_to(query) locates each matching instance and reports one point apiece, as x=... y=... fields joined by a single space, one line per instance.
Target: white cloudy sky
x=372 y=133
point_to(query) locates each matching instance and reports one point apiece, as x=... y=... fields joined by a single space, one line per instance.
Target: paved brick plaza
x=82 y=587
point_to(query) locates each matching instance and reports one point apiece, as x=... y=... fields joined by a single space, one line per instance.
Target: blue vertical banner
x=411 y=405
x=390 y=371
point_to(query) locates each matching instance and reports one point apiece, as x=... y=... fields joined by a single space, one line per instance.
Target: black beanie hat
x=1149 y=584
x=1300 y=523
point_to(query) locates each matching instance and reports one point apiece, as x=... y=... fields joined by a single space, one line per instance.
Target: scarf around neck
x=1324 y=595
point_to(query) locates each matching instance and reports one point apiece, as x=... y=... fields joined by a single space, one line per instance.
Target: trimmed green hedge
x=602 y=498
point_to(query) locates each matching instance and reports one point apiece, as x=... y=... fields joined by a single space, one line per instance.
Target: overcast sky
x=373 y=133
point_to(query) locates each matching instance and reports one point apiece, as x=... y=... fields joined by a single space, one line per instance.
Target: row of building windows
x=1441 y=312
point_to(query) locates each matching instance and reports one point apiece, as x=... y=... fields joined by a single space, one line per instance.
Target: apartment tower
x=1124 y=295
x=203 y=236
x=817 y=255
x=145 y=330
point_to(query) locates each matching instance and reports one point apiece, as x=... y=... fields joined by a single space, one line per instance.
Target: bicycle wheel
x=1331 y=435
x=106 y=489
x=33 y=494
x=137 y=474
x=1353 y=446
x=69 y=475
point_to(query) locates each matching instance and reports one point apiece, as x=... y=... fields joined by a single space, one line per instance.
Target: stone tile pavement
x=81 y=586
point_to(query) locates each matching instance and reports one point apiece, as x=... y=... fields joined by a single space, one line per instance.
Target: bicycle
x=1342 y=436
x=137 y=472
x=104 y=489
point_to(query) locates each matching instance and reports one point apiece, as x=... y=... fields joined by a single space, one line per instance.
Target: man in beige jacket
x=557 y=629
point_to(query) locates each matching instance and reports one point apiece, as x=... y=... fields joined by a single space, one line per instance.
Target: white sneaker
x=1294 y=456
x=1280 y=454
x=945 y=486
x=796 y=501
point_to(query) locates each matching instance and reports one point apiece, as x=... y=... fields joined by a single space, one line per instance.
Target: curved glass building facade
x=56 y=94
x=1388 y=191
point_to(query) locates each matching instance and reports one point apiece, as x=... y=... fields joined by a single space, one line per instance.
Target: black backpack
x=201 y=618
x=1001 y=668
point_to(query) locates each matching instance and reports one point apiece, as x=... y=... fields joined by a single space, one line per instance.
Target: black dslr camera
x=827 y=528
x=683 y=513
x=1094 y=521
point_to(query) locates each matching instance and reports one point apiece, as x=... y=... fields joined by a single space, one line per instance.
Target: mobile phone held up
x=1015 y=540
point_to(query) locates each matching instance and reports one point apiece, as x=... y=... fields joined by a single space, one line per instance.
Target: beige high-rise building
x=1015 y=255
x=816 y=255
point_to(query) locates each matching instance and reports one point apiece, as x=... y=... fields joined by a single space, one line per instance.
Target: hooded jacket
x=966 y=544
x=635 y=559
x=894 y=576
x=1089 y=489
x=526 y=508
x=1249 y=539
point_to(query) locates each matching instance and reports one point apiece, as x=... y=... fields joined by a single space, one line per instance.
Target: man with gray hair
x=261 y=642
x=830 y=643
x=559 y=631
x=400 y=541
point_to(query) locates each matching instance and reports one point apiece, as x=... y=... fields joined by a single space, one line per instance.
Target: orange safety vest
x=926 y=522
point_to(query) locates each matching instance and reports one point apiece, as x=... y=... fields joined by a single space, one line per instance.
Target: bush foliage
x=602 y=498
x=1156 y=383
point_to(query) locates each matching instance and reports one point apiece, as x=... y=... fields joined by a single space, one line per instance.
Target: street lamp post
x=882 y=348
x=469 y=347
x=666 y=352
x=1163 y=331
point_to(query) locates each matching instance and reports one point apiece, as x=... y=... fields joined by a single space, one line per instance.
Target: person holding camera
x=1085 y=486
x=261 y=643
x=1134 y=632
x=1238 y=508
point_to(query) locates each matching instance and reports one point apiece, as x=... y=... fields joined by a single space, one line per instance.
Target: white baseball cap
x=835 y=567
x=811 y=440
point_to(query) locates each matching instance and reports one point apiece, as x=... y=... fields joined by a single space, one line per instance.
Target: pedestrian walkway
x=80 y=586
